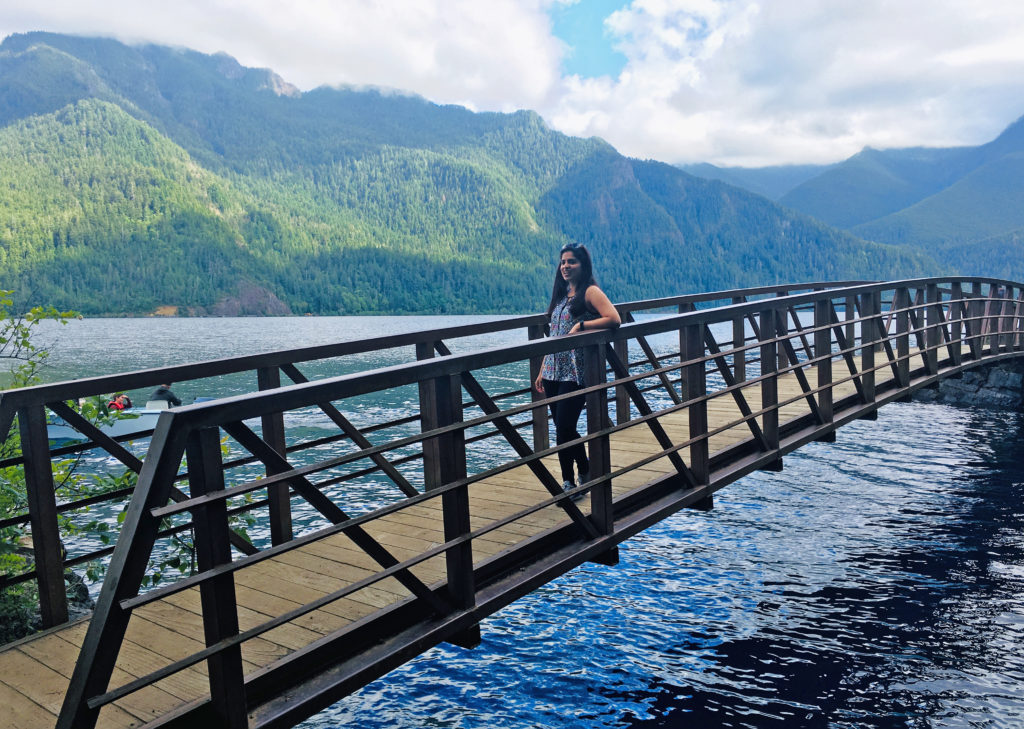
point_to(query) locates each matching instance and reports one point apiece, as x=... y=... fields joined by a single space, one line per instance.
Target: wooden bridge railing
x=29 y=409
x=741 y=385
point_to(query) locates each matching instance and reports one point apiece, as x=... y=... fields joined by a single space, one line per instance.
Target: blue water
x=876 y=582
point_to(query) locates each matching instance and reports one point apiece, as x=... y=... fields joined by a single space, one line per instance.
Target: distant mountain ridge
x=140 y=177
x=953 y=202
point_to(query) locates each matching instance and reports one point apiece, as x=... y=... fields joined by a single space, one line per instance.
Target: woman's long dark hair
x=586 y=279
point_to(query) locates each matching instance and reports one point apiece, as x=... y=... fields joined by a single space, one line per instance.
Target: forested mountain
x=140 y=177
x=964 y=205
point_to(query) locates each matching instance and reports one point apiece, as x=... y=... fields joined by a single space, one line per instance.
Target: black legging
x=566 y=414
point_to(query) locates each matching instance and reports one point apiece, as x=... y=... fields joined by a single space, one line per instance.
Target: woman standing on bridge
x=577 y=305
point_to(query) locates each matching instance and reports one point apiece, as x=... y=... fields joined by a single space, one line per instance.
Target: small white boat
x=138 y=419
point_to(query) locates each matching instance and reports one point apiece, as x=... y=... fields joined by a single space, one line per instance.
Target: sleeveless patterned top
x=562 y=366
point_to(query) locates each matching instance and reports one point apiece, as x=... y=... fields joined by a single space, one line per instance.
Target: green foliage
x=22 y=358
x=153 y=177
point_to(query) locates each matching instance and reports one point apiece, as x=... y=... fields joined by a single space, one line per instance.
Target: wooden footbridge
x=390 y=534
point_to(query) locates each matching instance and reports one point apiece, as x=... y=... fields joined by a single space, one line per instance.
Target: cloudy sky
x=733 y=82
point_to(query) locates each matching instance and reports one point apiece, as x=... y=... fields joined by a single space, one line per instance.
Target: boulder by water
x=994 y=386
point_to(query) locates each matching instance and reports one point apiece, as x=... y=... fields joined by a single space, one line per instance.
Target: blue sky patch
x=581 y=27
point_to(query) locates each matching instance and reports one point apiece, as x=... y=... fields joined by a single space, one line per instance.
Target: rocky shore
x=999 y=385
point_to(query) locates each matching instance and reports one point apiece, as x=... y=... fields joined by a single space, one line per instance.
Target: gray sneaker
x=583 y=478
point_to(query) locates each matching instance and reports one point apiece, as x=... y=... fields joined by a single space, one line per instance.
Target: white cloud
x=745 y=82
x=728 y=81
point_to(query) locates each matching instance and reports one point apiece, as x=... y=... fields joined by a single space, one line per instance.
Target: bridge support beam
x=449 y=450
x=601 y=507
x=469 y=638
x=934 y=323
x=217 y=595
x=769 y=328
x=705 y=504
x=956 y=323
x=739 y=341
x=278 y=496
x=1018 y=321
x=901 y=303
x=695 y=389
x=823 y=353
x=42 y=510
x=869 y=310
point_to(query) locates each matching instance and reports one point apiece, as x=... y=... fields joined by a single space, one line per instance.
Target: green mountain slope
x=964 y=206
x=138 y=177
x=987 y=202
x=876 y=183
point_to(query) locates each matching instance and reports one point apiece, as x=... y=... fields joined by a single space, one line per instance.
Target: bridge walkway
x=34 y=673
x=267 y=638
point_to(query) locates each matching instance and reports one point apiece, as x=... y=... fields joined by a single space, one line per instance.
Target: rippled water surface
x=876 y=581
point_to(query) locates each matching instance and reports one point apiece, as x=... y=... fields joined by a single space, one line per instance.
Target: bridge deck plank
x=171 y=628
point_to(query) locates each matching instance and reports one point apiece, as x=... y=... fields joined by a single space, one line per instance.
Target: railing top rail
x=290 y=397
x=87 y=387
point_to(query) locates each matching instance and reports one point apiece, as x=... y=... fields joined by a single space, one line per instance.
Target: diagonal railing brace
x=276 y=463
x=355 y=434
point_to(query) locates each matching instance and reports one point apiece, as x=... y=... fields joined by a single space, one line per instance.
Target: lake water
x=876 y=582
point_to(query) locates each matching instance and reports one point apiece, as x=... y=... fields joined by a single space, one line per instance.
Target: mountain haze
x=963 y=205
x=137 y=177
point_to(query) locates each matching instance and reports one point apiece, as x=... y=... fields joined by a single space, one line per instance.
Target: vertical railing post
x=782 y=329
x=868 y=336
x=42 y=511
x=956 y=324
x=541 y=432
x=217 y=594
x=622 y=400
x=599 y=448
x=901 y=302
x=428 y=421
x=975 y=321
x=278 y=495
x=694 y=380
x=450 y=453
x=997 y=318
x=1005 y=318
x=933 y=328
x=850 y=316
x=1018 y=324
x=684 y=308
x=992 y=319
x=823 y=355
x=739 y=341
x=768 y=321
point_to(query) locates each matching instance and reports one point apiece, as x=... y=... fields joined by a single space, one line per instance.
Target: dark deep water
x=876 y=582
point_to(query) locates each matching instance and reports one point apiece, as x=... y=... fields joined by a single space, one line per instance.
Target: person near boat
x=120 y=402
x=164 y=393
x=577 y=305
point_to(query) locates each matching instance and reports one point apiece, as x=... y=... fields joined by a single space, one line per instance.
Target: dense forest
x=142 y=177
